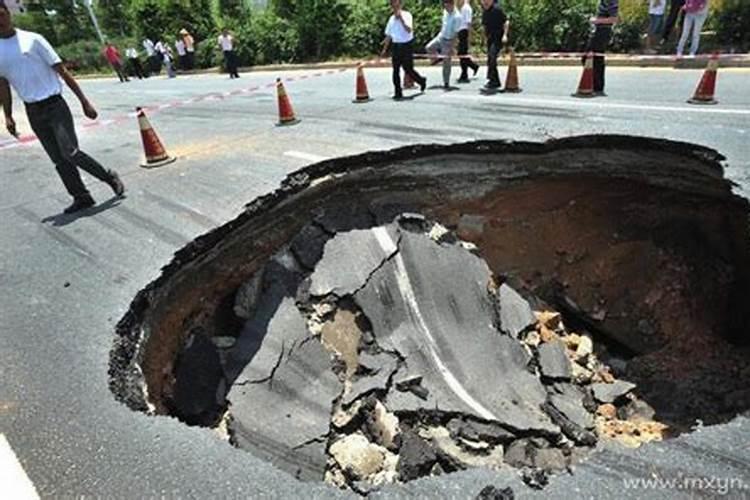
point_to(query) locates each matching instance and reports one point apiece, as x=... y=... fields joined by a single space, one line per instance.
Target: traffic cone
x=586 y=85
x=362 y=95
x=156 y=155
x=286 y=113
x=511 y=79
x=704 y=94
x=408 y=82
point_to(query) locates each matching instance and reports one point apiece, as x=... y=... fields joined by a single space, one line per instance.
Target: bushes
x=733 y=24
x=270 y=38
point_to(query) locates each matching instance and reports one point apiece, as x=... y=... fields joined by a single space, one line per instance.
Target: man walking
x=445 y=42
x=113 y=57
x=154 y=61
x=226 y=42
x=31 y=66
x=464 y=33
x=496 y=25
x=134 y=63
x=399 y=34
x=606 y=17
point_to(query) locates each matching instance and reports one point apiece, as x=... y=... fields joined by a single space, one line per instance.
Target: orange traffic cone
x=286 y=113
x=362 y=95
x=156 y=155
x=704 y=94
x=408 y=82
x=511 y=79
x=586 y=85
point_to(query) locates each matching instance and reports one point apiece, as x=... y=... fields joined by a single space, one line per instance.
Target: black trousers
x=135 y=68
x=675 y=13
x=463 y=50
x=120 y=72
x=154 y=63
x=598 y=43
x=402 y=56
x=182 y=61
x=52 y=123
x=190 y=60
x=230 y=61
x=494 y=46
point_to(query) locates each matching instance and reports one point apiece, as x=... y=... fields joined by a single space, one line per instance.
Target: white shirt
x=180 y=46
x=131 y=53
x=656 y=7
x=26 y=61
x=467 y=14
x=395 y=28
x=149 y=46
x=451 y=22
x=226 y=42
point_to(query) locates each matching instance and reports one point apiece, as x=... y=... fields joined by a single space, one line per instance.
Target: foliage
x=734 y=24
x=550 y=25
x=268 y=39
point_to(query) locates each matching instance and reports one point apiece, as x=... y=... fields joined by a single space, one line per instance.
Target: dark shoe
x=600 y=94
x=398 y=97
x=492 y=86
x=476 y=70
x=81 y=203
x=423 y=85
x=116 y=183
x=463 y=79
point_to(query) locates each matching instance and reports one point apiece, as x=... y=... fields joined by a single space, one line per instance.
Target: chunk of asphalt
x=609 y=393
x=490 y=432
x=430 y=302
x=416 y=457
x=553 y=361
x=247 y=296
x=308 y=245
x=198 y=375
x=380 y=367
x=516 y=315
x=569 y=400
x=491 y=492
x=349 y=258
x=568 y=427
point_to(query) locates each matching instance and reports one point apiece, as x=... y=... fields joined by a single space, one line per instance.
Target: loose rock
x=358 y=457
x=608 y=393
x=553 y=362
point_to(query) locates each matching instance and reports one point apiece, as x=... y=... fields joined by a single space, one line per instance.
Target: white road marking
x=14 y=481
x=305 y=156
x=410 y=299
x=599 y=104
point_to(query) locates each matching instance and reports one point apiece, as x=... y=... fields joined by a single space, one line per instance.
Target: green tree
x=113 y=17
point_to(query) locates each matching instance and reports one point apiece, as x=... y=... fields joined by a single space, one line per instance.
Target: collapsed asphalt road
x=328 y=292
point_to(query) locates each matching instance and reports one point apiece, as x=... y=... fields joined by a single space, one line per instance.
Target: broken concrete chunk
x=569 y=428
x=516 y=315
x=380 y=368
x=550 y=459
x=341 y=336
x=518 y=454
x=358 y=457
x=456 y=455
x=414 y=385
x=585 y=346
x=553 y=362
x=308 y=245
x=350 y=258
x=609 y=393
x=568 y=399
x=549 y=319
x=385 y=427
x=636 y=410
x=417 y=457
x=247 y=296
x=479 y=431
x=492 y=493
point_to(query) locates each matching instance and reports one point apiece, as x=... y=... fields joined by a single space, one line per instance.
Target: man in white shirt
x=135 y=64
x=154 y=58
x=445 y=42
x=399 y=34
x=179 y=44
x=165 y=57
x=31 y=66
x=189 y=48
x=226 y=42
x=464 y=31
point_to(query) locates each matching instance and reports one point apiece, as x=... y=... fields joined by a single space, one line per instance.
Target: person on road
x=445 y=42
x=656 y=10
x=606 y=17
x=226 y=42
x=135 y=63
x=496 y=26
x=675 y=12
x=189 y=49
x=164 y=53
x=31 y=66
x=115 y=60
x=154 y=59
x=399 y=35
x=179 y=45
x=696 y=12
x=464 y=34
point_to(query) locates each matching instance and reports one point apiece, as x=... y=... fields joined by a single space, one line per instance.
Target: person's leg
x=493 y=50
x=407 y=62
x=700 y=19
x=236 y=64
x=446 y=48
x=463 y=49
x=599 y=44
x=396 y=61
x=686 y=27
x=138 y=69
x=433 y=48
x=675 y=7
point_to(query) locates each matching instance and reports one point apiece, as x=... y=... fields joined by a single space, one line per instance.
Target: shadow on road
x=63 y=219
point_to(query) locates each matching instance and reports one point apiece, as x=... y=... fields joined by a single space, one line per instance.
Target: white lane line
x=410 y=299
x=13 y=480
x=573 y=102
x=305 y=156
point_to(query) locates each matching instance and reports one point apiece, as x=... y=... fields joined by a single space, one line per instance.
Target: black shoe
x=398 y=97
x=476 y=70
x=116 y=183
x=463 y=79
x=492 y=86
x=423 y=85
x=600 y=93
x=80 y=203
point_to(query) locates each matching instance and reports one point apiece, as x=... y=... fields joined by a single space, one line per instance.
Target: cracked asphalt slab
x=70 y=435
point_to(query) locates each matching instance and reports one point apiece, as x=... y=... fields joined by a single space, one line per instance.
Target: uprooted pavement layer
x=258 y=310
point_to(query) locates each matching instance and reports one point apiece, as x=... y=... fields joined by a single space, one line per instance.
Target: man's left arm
x=88 y=108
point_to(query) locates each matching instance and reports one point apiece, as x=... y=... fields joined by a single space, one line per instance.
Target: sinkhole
x=415 y=312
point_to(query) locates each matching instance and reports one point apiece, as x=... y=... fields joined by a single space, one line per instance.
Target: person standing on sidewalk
x=164 y=53
x=464 y=34
x=226 y=42
x=656 y=10
x=696 y=12
x=115 y=60
x=179 y=45
x=153 y=58
x=675 y=12
x=399 y=34
x=134 y=63
x=189 y=48
x=445 y=42
x=31 y=66
x=606 y=17
x=496 y=25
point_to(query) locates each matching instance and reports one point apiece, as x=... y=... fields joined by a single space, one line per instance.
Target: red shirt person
x=115 y=60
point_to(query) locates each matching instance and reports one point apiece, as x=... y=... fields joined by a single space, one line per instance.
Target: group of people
x=693 y=13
